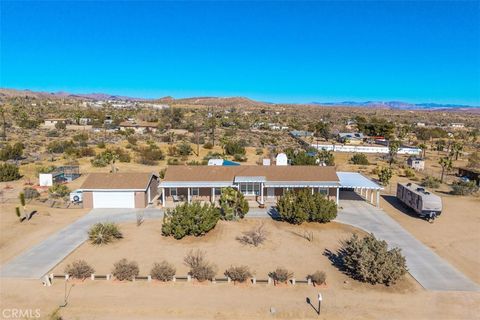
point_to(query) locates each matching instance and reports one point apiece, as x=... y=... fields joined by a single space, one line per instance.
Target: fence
x=49 y=279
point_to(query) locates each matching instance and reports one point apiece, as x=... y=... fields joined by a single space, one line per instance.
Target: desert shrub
x=369 y=260
x=298 y=207
x=234 y=147
x=79 y=269
x=104 y=232
x=233 y=204
x=132 y=140
x=125 y=270
x=238 y=273
x=255 y=236
x=430 y=182
x=409 y=172
x=52 y=133
x=200 y=268
x=81 y=137
x=60 y=146
x=464 y=188
x=240 y=157
x=190 y=219
x=31 y=193
x=184 y=149
x=12 y=152
x=101 y=145
x=173 y=162
x=9 y=172
x=318 y=277
x=149 y=155
x=46 y=169
x=163 y=271
x=280 y=275
x=58 y=190
x=384 y=175
x=208 y=145
x=259 y=151
x=60 y=125
x=359 y=159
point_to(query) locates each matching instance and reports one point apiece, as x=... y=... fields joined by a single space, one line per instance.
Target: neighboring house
x=301 y=134
x=352 y=137
x=457 y=125
x=139 y=126
x=119 y=190
x=420 y=124
x=84 y=121
x=258 y=183
x=470 y=173
x=53 y=121
x=415 y=163
x=222 y=162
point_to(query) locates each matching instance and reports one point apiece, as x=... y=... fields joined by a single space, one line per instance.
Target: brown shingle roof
x=271 y=173
x=129 y=180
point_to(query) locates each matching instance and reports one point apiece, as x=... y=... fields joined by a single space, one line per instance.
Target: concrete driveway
x=37 y=261
x=430 y=270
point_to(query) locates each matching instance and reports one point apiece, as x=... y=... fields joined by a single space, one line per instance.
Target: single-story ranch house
x=259 y=183
x=119 y=190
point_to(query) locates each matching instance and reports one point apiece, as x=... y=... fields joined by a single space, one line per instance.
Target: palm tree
x=446 y=164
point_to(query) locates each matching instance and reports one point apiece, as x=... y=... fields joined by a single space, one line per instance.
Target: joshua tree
x=423 y=146
x=446 y=164
x=393 y=150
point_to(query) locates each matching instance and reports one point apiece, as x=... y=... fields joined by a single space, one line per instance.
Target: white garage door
x=113 y=199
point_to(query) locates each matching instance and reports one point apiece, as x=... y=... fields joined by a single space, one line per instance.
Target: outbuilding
x=119 y=190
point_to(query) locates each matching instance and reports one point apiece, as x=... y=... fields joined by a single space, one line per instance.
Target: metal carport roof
x=356 y=180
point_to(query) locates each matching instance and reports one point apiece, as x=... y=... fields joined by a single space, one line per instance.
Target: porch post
x=213 y=195
x=378 y=198
x=371 y=196
x=366 y=195
x=338 y=195
x=312 y=191
x=188 y=195
x=261 y=193
x=163 y=197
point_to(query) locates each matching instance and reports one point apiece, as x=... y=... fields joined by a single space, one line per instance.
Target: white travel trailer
x=417 y=198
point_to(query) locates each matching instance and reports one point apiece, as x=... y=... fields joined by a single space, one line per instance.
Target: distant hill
x=397 y=105
x=235 y=101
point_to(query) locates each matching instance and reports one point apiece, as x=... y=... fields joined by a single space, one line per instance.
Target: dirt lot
x=454 y=235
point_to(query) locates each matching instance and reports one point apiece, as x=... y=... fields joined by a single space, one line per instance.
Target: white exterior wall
x=364 y=149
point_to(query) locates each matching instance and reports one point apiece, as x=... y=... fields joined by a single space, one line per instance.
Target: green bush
x=31 y=193
x=190 y=219
x=163 y=271
x=149 y=155
x=58 y=190
x=240 y=157
x=464 y=188
x=430 y=182
x=233 y=204
x=300 y=206
x=318 y=277
x=184 y=149
x=238 y=273
x=369 y=260
x=125 y=270
x=280 y=275
x=200 y=268
x=104 y=232
x=409 y=172
x=234 y=147
x=12 y=152
x=359 y=159
x=60 y=146
x=9 y=172
x=79 y=269
x=208 y=145
x=384 y=175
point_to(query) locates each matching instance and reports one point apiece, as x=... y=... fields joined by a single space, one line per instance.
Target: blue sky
x=273 y=51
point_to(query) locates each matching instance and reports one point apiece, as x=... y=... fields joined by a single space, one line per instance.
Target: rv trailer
x=417 y=198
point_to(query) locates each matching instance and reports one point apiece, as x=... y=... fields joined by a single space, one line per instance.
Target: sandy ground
x=16 y=236
x=455 y=235
x=343 y=297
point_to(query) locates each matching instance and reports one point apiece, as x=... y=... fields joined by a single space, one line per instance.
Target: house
x=301 y=134
x=84 y=121
x=259 y=184
x=457 y=125
x=139 y=126
x=416 y=163
x=119 y=190
x=352 y=137
x=51 y=122
x=470 y=173
x=222 y=162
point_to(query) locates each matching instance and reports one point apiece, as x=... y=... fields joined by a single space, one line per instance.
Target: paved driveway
x=37 y=261
x=431 y=271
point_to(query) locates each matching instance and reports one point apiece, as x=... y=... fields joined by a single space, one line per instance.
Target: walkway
x=40 y=259
x=431 y=271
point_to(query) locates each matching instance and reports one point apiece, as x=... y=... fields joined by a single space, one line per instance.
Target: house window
x=218 y=191
x=195 y=192
x=323 y=191
x=173 y=192
x=250 y=188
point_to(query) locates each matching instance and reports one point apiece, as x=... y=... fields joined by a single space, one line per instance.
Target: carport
x=365 y=187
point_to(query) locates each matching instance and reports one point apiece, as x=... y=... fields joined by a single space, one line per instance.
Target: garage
x=119 y=190
x=113 y=199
